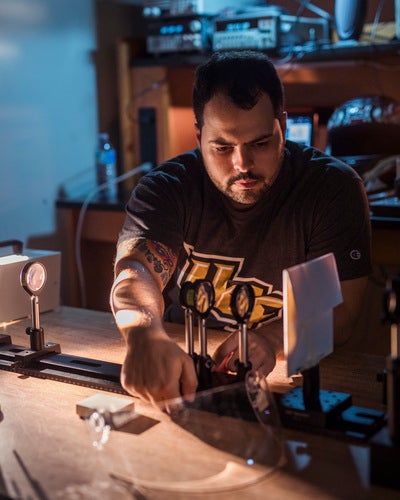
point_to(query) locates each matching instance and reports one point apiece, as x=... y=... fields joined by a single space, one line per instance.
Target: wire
x=144 y=167
x=376 y=20
x=306 y=4
x=153 y=86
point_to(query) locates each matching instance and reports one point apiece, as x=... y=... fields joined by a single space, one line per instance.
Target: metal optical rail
x=50 y=363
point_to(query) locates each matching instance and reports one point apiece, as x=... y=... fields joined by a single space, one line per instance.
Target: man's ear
x=198 y=133
x=282 y=120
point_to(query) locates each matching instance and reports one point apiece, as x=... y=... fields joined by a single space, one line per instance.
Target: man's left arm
x=346 y=314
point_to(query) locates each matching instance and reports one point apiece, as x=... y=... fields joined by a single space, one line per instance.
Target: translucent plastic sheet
x=228 y=438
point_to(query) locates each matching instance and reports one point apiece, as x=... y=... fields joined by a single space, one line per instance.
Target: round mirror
x=204 y=296
x=33 y=277
x=242 y=302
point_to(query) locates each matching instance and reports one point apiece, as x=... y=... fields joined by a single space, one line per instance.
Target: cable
x=376 y=20
x=144 y=167
x=306 y=4
x=153 y=86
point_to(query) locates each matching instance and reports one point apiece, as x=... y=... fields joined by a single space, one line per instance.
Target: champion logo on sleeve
x=355 y=254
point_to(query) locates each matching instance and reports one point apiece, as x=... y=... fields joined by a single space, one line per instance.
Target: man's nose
x=242 y=159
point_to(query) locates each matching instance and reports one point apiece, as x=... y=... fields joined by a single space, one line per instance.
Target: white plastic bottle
x=106 y=167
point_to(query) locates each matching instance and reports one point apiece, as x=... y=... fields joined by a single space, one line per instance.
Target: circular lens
x=203 y=297
x=242 y=302
x=33 y=277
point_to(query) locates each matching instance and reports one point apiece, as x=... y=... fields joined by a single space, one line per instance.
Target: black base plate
x=337 y=417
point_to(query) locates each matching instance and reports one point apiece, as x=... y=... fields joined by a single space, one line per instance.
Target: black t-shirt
x=316 y=205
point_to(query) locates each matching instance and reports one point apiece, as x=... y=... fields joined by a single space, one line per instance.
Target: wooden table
x=46 y=450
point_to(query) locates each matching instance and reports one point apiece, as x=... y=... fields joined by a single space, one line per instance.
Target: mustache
x=244 y=177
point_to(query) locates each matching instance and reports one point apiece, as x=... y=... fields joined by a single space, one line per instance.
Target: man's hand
x=260 y=351
x=156 y=369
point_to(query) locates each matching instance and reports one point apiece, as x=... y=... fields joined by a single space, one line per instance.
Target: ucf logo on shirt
x=224 y=274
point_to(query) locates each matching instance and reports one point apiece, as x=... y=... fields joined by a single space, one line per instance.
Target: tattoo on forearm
x=160 y=256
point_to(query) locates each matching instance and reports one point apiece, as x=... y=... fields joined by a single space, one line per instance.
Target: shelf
x=340 y=51
x=344 y=51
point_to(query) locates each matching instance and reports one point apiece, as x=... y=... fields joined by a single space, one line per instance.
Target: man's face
x=242 y=149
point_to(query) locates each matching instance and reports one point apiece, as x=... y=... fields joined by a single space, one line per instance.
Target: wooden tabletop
x=46 y=450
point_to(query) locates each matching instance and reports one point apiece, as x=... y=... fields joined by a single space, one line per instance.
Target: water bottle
x=106 y=167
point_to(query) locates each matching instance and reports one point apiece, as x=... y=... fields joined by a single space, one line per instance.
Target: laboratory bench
x=47 y=450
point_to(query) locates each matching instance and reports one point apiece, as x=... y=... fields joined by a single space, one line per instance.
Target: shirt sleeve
x=342 y=224
x=154 y=211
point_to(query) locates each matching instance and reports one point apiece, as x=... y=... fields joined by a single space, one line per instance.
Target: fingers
x=260 y=354
x=262 y=358
x=161 y=387
x=171 y=398
x=183 y=391
x=224 y=349
x=227 y=364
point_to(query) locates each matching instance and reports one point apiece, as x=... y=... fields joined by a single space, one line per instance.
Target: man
x=242 y=207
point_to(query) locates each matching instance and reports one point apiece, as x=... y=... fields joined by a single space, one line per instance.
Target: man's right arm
x=155 y=367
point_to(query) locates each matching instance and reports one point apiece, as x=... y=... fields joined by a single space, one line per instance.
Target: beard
x=246 y=196
x=243 y=196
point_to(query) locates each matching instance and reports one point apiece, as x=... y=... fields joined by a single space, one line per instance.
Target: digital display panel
x=300 y=128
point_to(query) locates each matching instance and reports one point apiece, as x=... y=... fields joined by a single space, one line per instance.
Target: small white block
x=105 y=402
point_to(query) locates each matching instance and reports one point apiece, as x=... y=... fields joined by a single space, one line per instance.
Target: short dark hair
x=242 y=75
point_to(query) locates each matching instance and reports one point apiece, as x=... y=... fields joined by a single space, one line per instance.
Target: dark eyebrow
x=219 y=140
x=261 y=138
x=222 y=142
